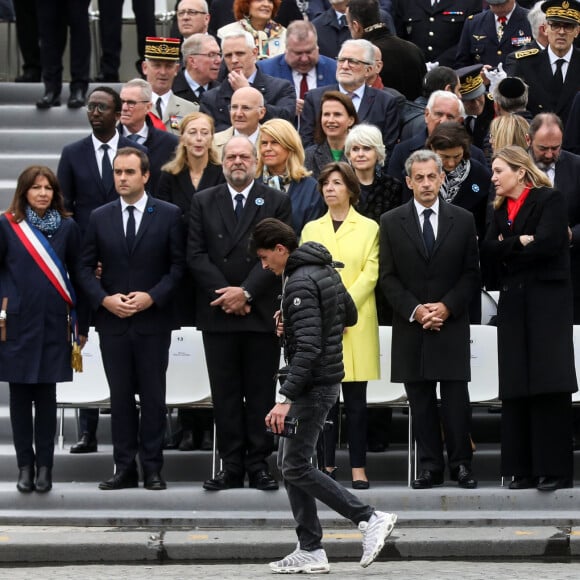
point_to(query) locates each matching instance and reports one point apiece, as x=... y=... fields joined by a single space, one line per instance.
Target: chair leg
x=409 y=449
x=61 y=430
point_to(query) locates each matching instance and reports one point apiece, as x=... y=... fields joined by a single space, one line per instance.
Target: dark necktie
x=470 y=123
x=428 y=234
x=130 y=233
x=342 y=21
x=303 y=86
x=133 y=137
x=106 y=169
x=501 y=22
x=239 y=205
x=159 y=107
x=200 y=91
x=559 y=75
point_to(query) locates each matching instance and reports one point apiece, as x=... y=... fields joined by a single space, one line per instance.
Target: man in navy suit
x=136 y=126
x=301 y=64
x=87 y=184
x=355 y=62
x=235 y=306
x=139 y=242
x=240 y=55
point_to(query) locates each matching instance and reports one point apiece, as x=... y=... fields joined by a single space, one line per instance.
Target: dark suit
x=479 y=43
x=80 y=179
x=242 y=352
x=331 y=34
x=279 y=98
x=317 y=156
x=536 y=71
x=160 y=147
x=376 y=108
x=276 y=66
x=182 y=89
x=435 y=29
x=421 y=358
x=535 y=346
x=135 y=349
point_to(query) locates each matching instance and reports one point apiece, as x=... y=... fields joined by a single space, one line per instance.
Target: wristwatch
x=247 y=295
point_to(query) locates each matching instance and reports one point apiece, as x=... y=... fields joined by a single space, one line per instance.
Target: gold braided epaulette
x=528 y=52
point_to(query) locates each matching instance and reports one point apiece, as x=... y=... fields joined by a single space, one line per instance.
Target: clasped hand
x=432 y=315
x=232 y=300
x=125 y=305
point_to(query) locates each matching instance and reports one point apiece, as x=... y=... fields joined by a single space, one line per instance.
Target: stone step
x=29 y=93
x=15 y=116
x=47 y=140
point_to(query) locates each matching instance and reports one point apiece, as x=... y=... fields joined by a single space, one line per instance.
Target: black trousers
x=242 y=368
x=136 y=364
x=27 y=34
x=111 y=12
x=55 y=19
x=33 y=439
x=536 y=436
x=455 y=417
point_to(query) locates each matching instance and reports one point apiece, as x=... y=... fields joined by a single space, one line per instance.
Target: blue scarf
x=48 y=224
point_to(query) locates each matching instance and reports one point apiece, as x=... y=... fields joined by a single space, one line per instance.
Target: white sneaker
x=298 y=561
x=374 y=533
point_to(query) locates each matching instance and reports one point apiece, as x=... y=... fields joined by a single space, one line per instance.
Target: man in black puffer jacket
x=315 y=310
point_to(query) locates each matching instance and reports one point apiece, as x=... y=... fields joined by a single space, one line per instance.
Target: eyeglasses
x=565 y=26
x=211 y=55
x=351 y=61
x=189 y=12
x=243 y=108
x=132 y=104
x=101 y=107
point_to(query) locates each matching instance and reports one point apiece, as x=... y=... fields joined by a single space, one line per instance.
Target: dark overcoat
x=535 y=347
x=408 y=277
x=38 y=346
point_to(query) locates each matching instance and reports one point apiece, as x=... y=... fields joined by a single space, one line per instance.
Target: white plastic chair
x=489 y=301
x=576 y=336
x=484 y=385
x=87 y=389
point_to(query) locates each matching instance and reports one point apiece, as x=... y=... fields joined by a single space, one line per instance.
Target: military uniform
x=434 y=29
x=479 y=43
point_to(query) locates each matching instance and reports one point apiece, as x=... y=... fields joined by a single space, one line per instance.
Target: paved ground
x=350 y=570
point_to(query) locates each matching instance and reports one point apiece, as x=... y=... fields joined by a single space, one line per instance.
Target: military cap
x=562 y=11
x=162 y=48
x=471 y=84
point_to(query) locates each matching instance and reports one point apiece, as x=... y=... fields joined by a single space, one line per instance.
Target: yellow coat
x=356 y=245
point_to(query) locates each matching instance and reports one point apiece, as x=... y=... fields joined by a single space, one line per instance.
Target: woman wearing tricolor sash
x=39 y=256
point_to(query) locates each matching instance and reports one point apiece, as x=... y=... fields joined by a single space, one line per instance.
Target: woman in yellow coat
x=354 y=241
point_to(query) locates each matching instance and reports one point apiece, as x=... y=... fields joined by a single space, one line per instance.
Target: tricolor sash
x=40 y=250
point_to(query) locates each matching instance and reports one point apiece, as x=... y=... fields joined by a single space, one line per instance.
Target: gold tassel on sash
x=76 y=358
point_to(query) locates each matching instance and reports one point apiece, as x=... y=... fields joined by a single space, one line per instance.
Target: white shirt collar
x=113 y=143
x=138 y=205
x=507 y=16
x=143 y=132
x=420 y=208
x=245 y=192
x=554 y=57
x=253 y=137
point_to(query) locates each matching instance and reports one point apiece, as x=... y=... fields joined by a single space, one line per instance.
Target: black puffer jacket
x=316 y=309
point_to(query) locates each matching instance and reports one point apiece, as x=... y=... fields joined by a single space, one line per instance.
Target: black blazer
x=543 y=98
x=80 y=179
x=218 y=256
x=279 y=98
x=376 y=108
x=155 y=265
x=408 y=277
x=182 y=89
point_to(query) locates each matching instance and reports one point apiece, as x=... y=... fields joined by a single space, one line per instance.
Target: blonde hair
x=179 y=163
x=286 y=135
x=508 y=130
x=518 y=158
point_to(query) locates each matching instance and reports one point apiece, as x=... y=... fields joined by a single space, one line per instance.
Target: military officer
x=553 y=75
x=488 y=37
x=434 y=27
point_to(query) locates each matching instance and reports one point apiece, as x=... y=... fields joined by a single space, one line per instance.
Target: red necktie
x=502 y=21
x=303 y=86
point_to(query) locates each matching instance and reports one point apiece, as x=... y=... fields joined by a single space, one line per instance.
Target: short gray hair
x=368 y=47
x=368 y=135
x=421 y=156
x=146 y=90
x=536 y=17
x=445 y=95
x=250 y=43
x=194 y=44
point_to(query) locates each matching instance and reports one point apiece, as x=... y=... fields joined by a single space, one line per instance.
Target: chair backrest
x=484 y=385
x=187 y=376
x=489 y=302
x=576 y=335
x=89 y=387
x=383 y=391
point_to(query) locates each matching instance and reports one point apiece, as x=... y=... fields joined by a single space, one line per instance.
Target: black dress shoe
x=186 y=443
x=122 y=480
x=43 y=479
x=360 y=484
x=50 y=99
x=77 y=99
x=427 y=479
x=25 y=483
x=522 y=482
x=154 y=481
x=86 y=444
x=464 y=477
x=554 y=483
x=263 y=481
x=223 y=480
